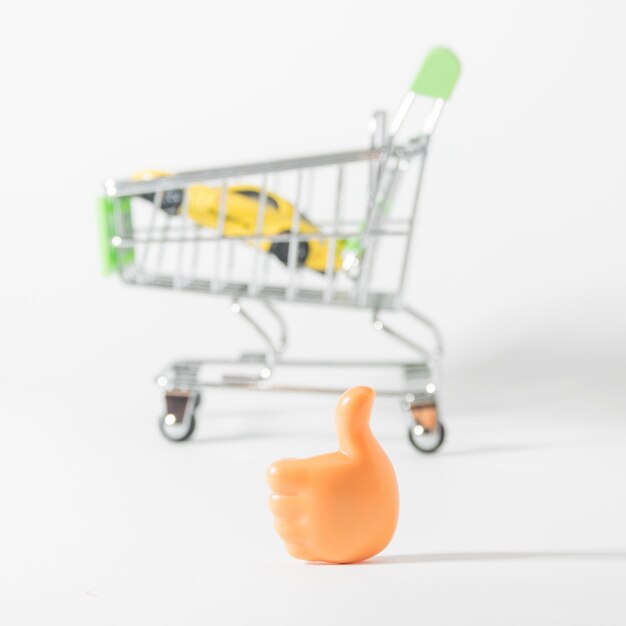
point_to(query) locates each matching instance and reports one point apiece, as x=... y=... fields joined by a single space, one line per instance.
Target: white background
x=521 y=256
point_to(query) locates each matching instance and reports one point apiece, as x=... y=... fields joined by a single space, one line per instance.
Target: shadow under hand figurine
x=340 y=507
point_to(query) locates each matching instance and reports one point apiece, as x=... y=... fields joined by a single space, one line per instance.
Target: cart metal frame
x=136 y=253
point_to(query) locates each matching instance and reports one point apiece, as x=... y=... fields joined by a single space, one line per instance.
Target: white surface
x=521 y=517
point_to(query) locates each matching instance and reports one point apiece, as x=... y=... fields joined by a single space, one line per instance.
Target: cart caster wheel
x=427 y=432
x=177 y=431
x=426 y=441
x=179 y=421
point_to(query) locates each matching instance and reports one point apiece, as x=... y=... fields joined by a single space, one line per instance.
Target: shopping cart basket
x=325 y=230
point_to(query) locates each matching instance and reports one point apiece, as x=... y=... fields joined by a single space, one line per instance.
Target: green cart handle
x=435 y=79
x=438 y=74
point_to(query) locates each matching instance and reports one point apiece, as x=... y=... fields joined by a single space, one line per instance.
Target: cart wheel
x=177 y=431
x=178 y=423
x=427 y=432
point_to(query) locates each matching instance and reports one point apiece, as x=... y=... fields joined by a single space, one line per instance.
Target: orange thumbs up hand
x=340 y=507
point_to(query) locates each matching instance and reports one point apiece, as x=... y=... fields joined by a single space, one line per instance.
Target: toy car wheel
x=179 y=420
x=280 y=249
x=426 y=433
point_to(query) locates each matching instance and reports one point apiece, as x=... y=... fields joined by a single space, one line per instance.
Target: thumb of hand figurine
x=340 y=507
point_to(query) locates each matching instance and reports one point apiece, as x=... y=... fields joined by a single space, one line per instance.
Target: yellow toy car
x=242 y=204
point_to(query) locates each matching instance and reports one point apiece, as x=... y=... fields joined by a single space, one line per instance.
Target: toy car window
x=255 y=195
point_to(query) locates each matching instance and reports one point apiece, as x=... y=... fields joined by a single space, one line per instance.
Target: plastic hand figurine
x=340 y=507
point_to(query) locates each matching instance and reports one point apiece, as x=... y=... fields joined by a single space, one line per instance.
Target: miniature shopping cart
x=324 y=230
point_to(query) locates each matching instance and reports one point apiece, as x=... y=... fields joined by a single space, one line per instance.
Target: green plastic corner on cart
x=438 y=74
x=112 y=259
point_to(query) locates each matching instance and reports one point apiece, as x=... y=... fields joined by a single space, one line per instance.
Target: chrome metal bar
x=343 y=298
x=184 y=179
x=221 y=221
x=411 y=235
x=230 y=259
x=437 y=352
x=274 y=347
x=294 y=240
x=377 y=129
x=264 y=271
x=310 y=193
x=266 y=372
x=431 y=356
x=376 y=214
x=281 y=344
x=195 y=253
x=400 y=116
x=332 y=243
x=260 y=221
x=129 y=242
x=429 y=127
x=184 y=212
x=431 y=120
x=141 y=263
x=196 y=364
x=262 y=384
x=343 y=222
x=164 y=230
x=395 y=221
x=380 y=325
x=185 y=373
